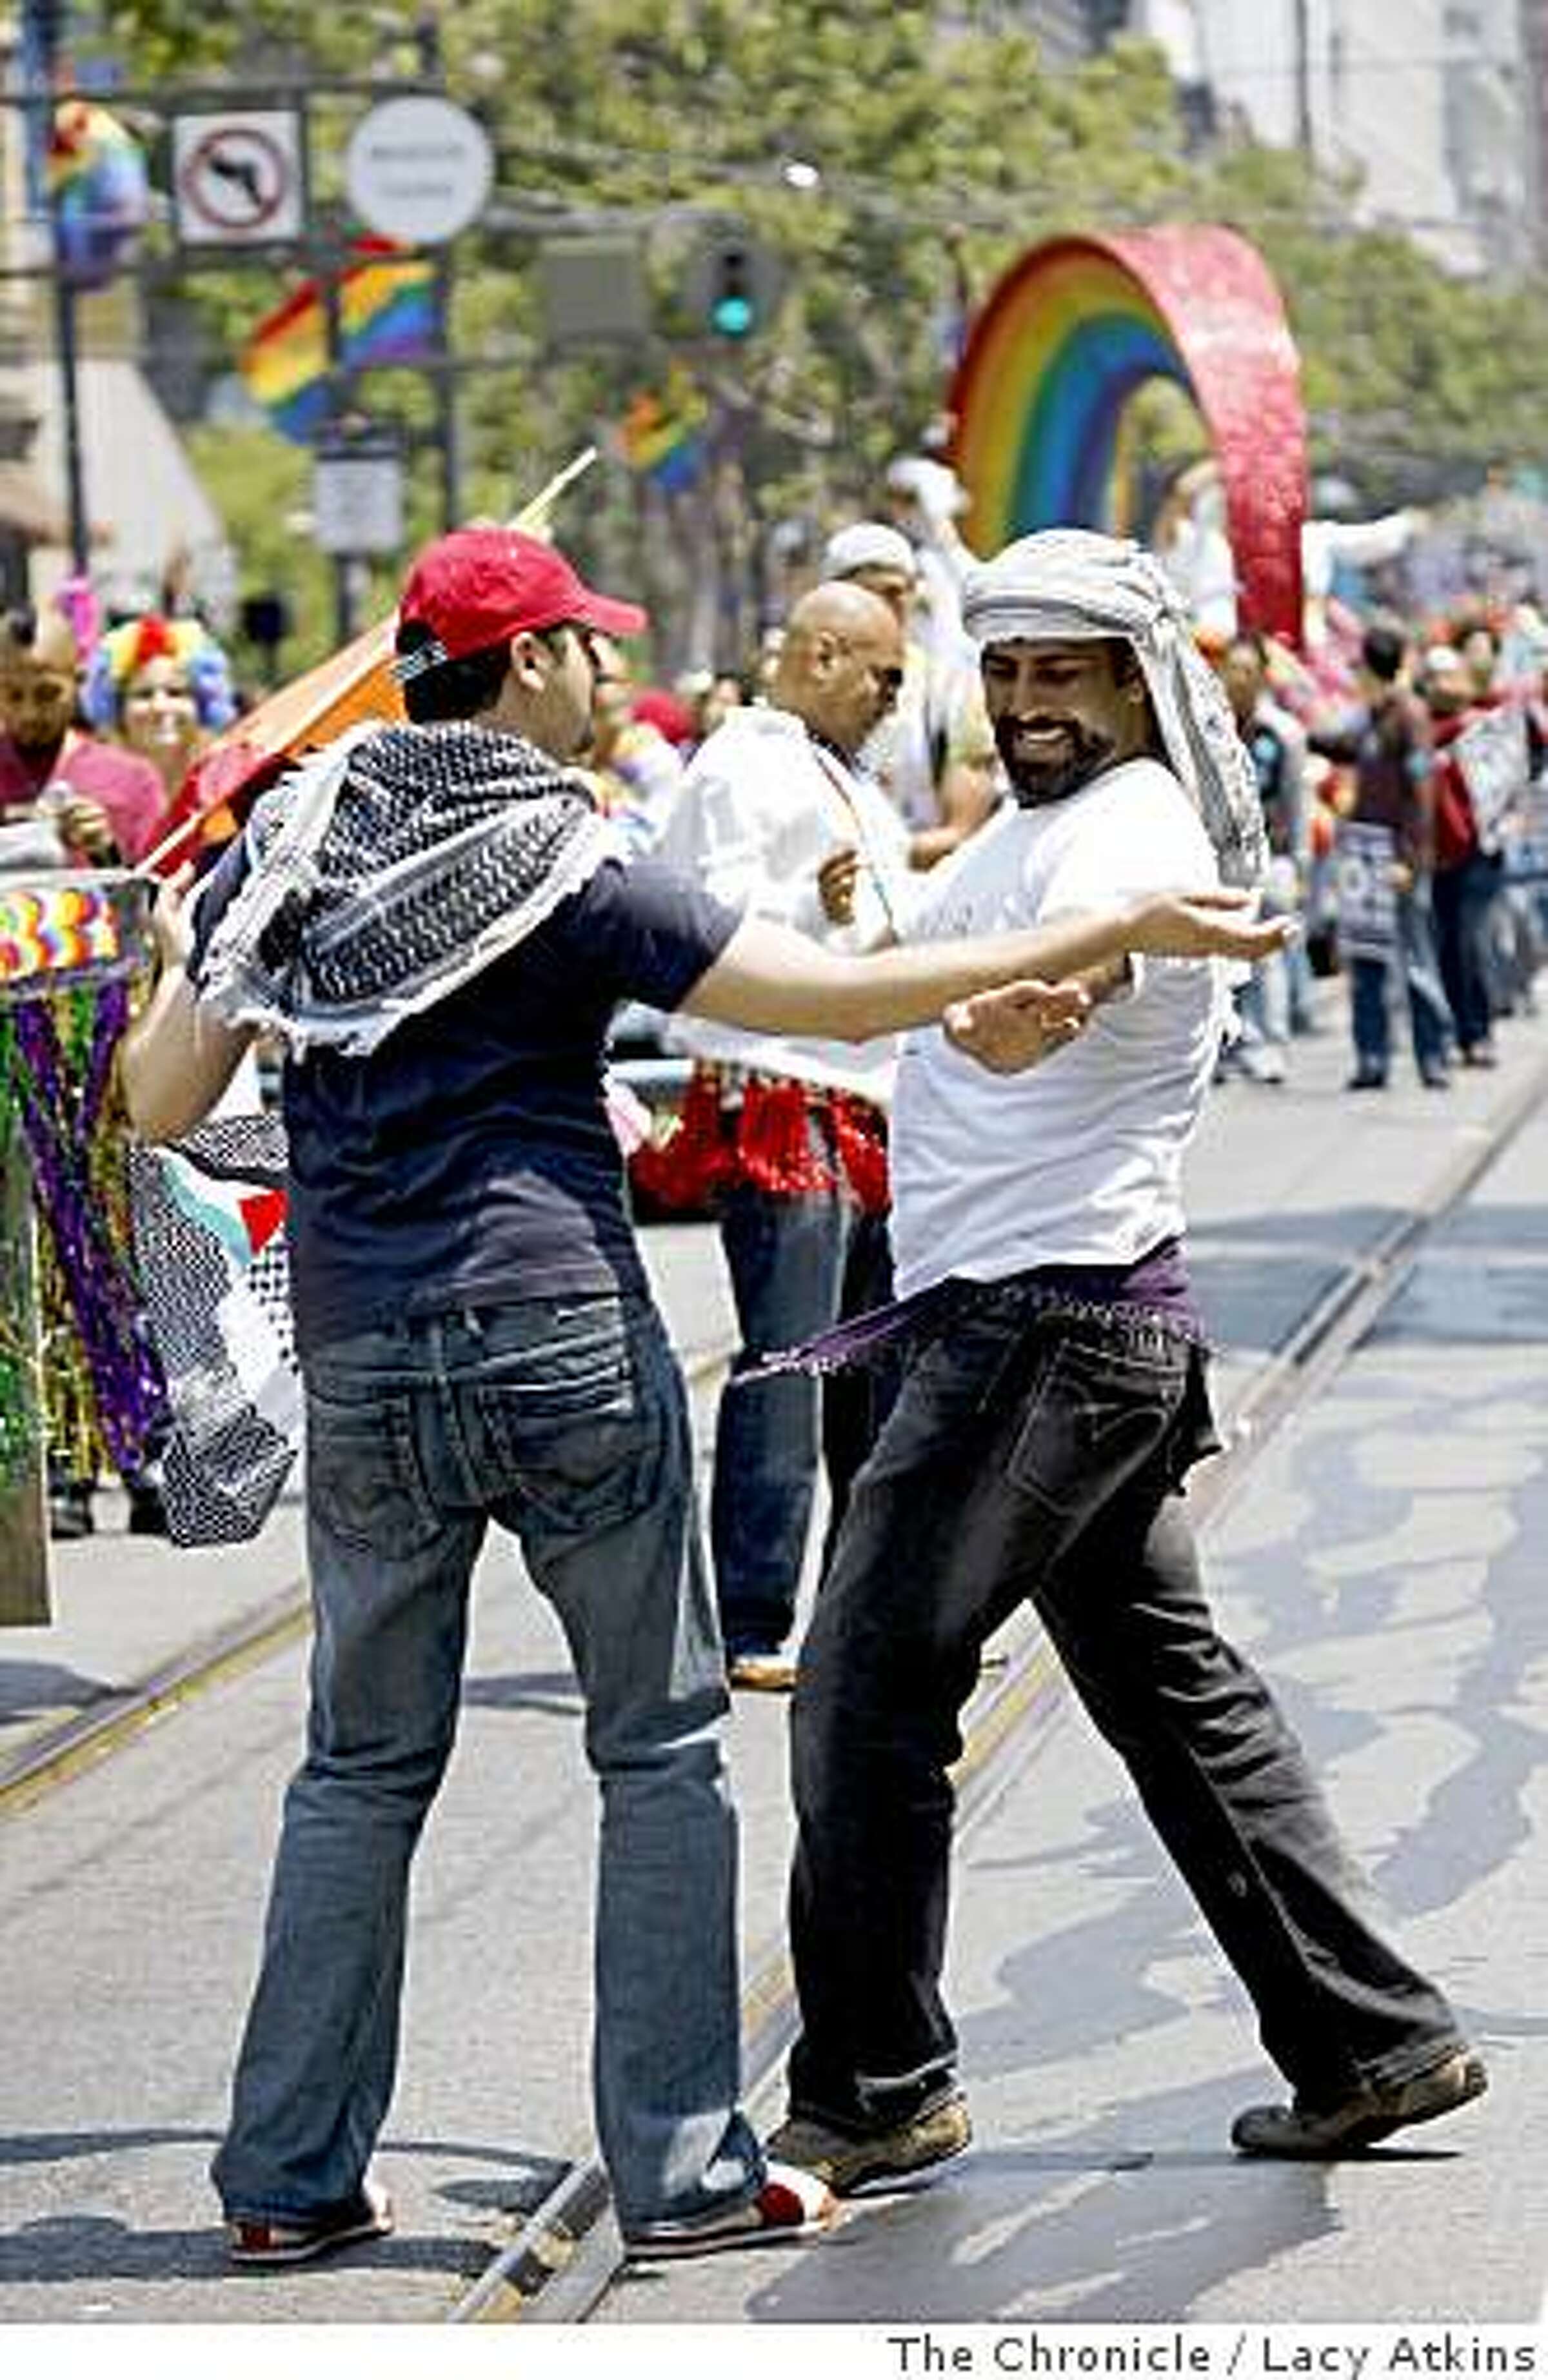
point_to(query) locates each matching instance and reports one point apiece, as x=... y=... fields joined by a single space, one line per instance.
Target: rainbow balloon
x=1066 y=339
x=99 y=190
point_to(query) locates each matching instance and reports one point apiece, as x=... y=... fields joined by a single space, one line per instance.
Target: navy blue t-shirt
x=469 y=1160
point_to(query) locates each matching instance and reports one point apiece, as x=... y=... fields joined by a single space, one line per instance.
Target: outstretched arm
x=770 y=980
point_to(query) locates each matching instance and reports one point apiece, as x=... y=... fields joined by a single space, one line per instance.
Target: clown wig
x=125 y=650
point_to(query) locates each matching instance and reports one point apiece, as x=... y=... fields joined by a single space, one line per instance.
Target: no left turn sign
x=237 y=177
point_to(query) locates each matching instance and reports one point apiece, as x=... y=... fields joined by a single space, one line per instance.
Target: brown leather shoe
x=848 y=2162
x=762 y=1673
x=1367 y=2114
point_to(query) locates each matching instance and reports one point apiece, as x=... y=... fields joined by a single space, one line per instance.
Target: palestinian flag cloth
x=209 y=1239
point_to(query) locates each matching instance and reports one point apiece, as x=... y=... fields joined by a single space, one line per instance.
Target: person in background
x=104 y=804
x=765 y=660
x=1477 y=644
x=161 y=688
x=1467 y=877
x=926 y=501
x=1276 y=748
x=776 y=820
x=668 y=714
x=934 y=754
x=711 y=697
x=635 y=771
x=1388 y=749
x=1511 y=931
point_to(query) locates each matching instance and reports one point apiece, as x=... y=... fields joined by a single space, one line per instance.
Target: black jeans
x=1038 y=1450
x=857 y=1398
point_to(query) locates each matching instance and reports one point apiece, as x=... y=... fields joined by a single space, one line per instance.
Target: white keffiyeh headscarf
x=1062 y=585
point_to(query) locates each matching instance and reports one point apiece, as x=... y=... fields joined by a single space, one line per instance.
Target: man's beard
x=1085 y=755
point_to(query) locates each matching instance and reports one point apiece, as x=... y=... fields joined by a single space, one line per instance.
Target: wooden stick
x=533 y=515
x=193 y=824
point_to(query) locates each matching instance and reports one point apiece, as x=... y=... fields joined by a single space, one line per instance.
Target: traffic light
x=732 y=283
x=733 y=308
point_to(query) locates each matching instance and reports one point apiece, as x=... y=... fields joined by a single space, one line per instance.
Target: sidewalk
x=1287 y=1185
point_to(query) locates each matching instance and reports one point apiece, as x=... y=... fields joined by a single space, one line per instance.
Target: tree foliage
x=928 y=150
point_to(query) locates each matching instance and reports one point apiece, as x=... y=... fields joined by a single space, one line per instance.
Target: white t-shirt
x=760 y=807
x=1078 y=1160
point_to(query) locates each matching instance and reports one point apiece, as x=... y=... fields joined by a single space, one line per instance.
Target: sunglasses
x=889 y=680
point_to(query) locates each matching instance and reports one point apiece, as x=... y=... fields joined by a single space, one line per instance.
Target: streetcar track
x=113 y=1720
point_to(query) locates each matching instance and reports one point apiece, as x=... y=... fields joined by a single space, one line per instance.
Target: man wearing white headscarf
x=1053 y=1398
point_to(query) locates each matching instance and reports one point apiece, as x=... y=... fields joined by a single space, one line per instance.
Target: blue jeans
x=1037 y=1452
x=564 y=1419
x=1303 y=984
x=1264 y=1000
x=1267 y=1001
x=1414 y=959
x=1465 y=897
x=785 y=1259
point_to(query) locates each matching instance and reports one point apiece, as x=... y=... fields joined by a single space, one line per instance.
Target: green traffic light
x=732 y=315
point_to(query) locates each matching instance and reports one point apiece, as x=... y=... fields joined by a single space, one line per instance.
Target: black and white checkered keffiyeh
x=387 y=870
x=1060 y=585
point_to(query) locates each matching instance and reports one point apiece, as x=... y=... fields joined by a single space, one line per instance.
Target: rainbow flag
x=662 y=435
x=386 y=315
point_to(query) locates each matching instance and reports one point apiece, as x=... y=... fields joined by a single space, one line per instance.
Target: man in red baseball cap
x=477 y=588
x=440 y=924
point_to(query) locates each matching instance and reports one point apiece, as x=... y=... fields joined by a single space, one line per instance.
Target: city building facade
x=1438 y=107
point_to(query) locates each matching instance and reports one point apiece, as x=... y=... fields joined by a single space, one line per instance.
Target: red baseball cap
x=476 y=586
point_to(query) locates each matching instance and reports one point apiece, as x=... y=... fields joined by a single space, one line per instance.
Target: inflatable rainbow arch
x=1061 y=345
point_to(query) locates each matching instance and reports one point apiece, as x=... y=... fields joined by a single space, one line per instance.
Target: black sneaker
x=849 y=2162
x=1366 y=2115
x=147 y=1509
x=69 y=1509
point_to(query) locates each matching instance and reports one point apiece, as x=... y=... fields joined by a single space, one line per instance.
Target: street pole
x=327 y=271
x=432 y=63
x=447 y=435
x=44 y=23
x=1305 y=136
x=69 y=387
x=324 y=264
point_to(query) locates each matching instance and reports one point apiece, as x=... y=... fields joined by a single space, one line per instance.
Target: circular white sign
x=417 y=170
